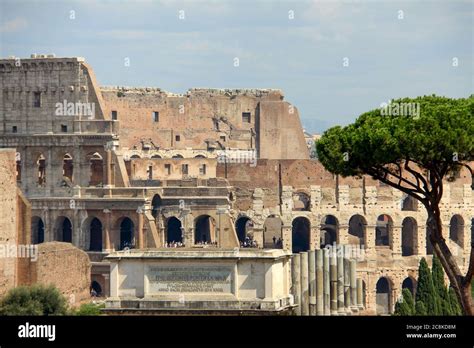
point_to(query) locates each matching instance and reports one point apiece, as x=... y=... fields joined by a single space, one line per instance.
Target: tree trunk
x=449 y=263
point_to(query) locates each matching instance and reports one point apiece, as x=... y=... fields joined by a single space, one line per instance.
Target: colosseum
x=108 y=168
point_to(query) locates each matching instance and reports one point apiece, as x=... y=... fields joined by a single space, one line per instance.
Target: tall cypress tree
x=425 y=291
x=440 y=288
x=406 y=305
x=420 y=308
x=454 y=302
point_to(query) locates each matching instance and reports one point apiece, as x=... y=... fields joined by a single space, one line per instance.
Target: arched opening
x=68 y=167
x=41 y=165
x=204 y=230
x=329 y=230
x=96 y=169
x=174 y=232
x=242 y=226
x=409 y=203
x=410 y=284
x=357 y=226
x=383 y=230
x=301 y=202
x=383 y=300
x=135 y=157
x=96 y=289
x=456 y=230
x=200 y=156
x=409 y=236
x=37 y=230
x=18 y=166
x=155 y=157
x=95 y=229
x=300 y=234
x=272 y=237
x=155 y=205
x=63 y=229
x=127 y=235
x=177 y=156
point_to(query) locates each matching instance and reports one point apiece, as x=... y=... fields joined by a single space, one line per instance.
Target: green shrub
x=406 y=306
x=33 y=300
x=88 y=309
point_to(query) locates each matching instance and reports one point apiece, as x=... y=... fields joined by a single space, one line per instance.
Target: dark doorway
x=95 y=235
x=300 y=234
x=241 y=227
x=383 y=296
x=37 y=230
x=409 y=236
x=126 y=234
x=96 y=287
x=409 y=284
x=173 y=230
x=204 y=229
x=67 y=231
x=155 y=205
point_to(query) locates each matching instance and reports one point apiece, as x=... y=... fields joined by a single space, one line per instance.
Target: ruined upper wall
x=200 y=119
x=32 y=87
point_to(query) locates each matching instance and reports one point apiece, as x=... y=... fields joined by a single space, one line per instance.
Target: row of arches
x=177 y=156
x=205 y=231
x=93 y=227
x=384 y=293
x=384 y=232
x=94 y=159
x=302 y=202
x=301 y=229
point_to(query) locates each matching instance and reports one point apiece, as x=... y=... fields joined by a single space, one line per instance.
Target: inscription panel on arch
x=190 y=279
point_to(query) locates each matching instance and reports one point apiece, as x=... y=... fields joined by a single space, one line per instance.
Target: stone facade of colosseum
x=106 y=168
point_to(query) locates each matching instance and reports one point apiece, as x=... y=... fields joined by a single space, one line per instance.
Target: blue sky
x=390 y=53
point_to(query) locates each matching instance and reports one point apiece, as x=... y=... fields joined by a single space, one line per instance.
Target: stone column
x=76 y=231
x=333 y=276
x=315 y=236
x=50 y=177
x=304 y=284
x=286 y=236
x=347 y=286
x=312 y=281
x=140 y=231
x=353 y=281
x=343 y=234
x=340 y=282
x=360 y=294
x=48 y=226
x=296 y=281
x=258 y=235
x=319 y=283
x=396 y=244
x=370 y=241
x=107 y=173
x=421 y=239
x=107 y=246
x=326 y=282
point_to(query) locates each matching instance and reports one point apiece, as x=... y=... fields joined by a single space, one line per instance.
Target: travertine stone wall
x=8 y=217
x=66 y=267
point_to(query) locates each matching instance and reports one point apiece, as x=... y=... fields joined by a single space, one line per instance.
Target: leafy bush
x=33 y=300
x=88 y=309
